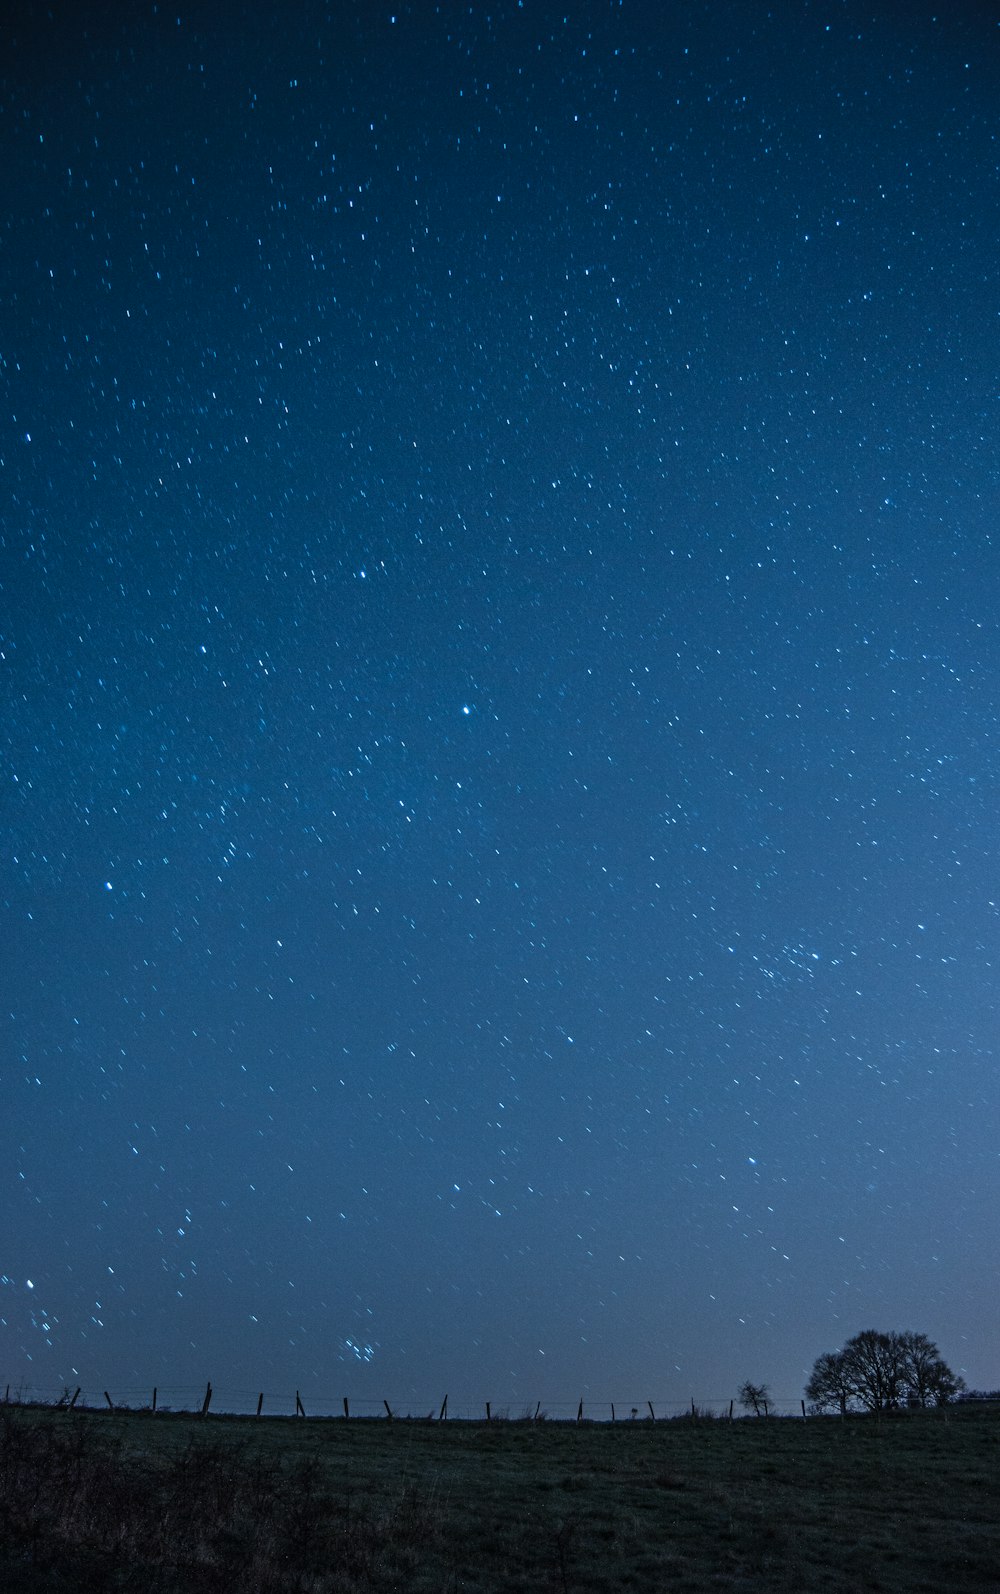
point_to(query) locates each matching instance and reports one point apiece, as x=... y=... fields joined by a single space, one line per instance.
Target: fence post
x=110 y=1402
x=260 y=1403
x=694 y=1411
x=207 y=1400
x=153 y=1407
x=75 y=1398
x=442 y=1414
x=489 y=1417
x=579 y=1412
x=347 y=1409
x=388 y=1409
x=612 y=1411
x=652 y=1413
x=300 y=1410
x=730 y=1411
x=803 y=1405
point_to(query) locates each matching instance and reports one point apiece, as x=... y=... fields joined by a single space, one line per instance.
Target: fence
x=270 y=1403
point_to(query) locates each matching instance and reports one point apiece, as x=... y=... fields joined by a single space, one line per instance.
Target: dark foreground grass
x=92 y=1500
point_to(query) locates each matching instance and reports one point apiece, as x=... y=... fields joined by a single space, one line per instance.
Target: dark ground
x=123 y=1501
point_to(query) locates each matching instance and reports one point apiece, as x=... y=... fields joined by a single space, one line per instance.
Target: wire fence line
x=178 y=1398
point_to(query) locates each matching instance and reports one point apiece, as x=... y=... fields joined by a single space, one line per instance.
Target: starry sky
x=501 y=730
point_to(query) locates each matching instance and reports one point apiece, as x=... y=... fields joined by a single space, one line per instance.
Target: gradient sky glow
x=501 y=731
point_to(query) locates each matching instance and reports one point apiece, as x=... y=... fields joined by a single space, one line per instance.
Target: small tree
x=754 y=1397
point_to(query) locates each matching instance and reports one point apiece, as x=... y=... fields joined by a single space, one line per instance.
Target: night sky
x=501 y=696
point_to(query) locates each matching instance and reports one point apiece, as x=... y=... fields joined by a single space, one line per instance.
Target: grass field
x=101 y=1500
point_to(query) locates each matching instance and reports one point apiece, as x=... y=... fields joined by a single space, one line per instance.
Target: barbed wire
x=230 y=1401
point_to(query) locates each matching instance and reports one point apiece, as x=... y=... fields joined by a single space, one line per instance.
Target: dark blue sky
x=500 y=743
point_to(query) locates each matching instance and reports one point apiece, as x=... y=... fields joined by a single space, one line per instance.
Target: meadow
x=169 y=1503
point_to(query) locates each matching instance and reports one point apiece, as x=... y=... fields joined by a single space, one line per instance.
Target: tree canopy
x=878 y=1371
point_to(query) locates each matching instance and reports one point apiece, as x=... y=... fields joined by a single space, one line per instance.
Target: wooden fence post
x=260 y=1402
x=652 y=1413
x=489 y=1417
x=442 y=1414
x=803 y=1405
x=207 y=1400
x=612 y=1411
x=300 y=1410
x=730 y=1411
x=694 y=1411
x=388 y=1409
x=75 y=1398
x=347 y=1410
x=153 y=1407
x=110 y=1402
x=579 y=1412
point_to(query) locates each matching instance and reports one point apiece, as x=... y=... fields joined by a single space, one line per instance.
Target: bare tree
x=875 y=1369
x=879 y=1372
x=830 y=1387
x=754 y=1397
x=928 y=1379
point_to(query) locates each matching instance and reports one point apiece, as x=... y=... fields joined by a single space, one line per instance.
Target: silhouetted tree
x=754 y=1397
x=829 y=1386
x=928 y=1379
x=874 y=1366
x=878 y=1372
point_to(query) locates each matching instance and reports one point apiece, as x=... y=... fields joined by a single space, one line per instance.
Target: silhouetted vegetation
x=754 y=1397
x=879 y=1372
x=169 y=1503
